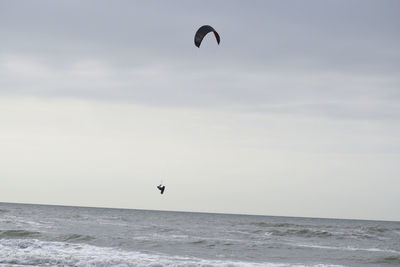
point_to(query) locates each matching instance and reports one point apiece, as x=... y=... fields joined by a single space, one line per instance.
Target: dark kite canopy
x=203 y=31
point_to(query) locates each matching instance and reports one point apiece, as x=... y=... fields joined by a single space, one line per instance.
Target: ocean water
x=40 y=235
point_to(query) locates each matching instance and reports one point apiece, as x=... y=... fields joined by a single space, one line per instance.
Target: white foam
x=32 y=252
x=268 y=234
x=20 y=222
x=349 y=248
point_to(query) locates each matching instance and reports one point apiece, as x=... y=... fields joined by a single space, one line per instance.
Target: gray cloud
x=271 y=54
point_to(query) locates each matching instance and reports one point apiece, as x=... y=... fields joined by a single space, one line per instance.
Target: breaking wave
x=41 y=253
x=349 y=248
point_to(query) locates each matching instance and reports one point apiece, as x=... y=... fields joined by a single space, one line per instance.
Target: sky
x=295 y=113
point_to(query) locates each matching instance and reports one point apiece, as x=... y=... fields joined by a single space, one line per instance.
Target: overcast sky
x=295 y=113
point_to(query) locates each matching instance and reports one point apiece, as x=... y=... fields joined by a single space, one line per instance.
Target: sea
x=43 y=235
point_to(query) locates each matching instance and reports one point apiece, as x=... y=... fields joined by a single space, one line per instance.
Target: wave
x=388 y=260
x=199 y=242
x=293 y=231
x=300 y=233
x=375 y=229
x=3 y=210
x=17 y=234
x=76 y=238
x=34 y=252
x=264 y=224
x=348 y=248
x=368 y=233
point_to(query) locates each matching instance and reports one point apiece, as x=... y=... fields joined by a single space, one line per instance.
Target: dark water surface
x=39 y=235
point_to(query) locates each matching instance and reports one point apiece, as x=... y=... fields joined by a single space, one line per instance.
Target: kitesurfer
x=161 y=188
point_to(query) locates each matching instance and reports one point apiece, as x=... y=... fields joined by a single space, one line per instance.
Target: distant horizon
x=202 y=212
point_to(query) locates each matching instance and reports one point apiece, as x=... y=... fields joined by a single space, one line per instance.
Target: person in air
x=161 y=188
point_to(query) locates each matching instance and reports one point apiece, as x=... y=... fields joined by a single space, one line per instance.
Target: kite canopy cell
x=203 y=31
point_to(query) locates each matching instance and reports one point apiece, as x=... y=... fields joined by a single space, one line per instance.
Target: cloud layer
x=300 y=103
